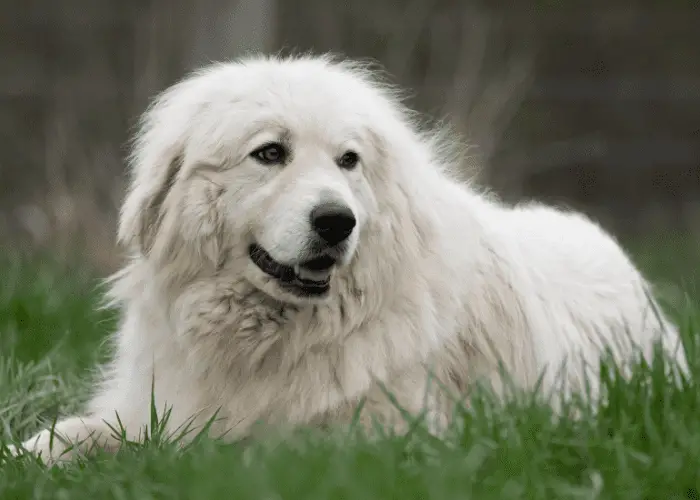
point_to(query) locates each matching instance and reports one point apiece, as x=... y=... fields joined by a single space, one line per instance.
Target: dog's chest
x=254 y=336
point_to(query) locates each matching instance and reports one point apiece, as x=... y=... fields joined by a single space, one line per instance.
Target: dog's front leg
x=74 y=435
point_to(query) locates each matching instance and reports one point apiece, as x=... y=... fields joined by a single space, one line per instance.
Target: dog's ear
x=143 y=209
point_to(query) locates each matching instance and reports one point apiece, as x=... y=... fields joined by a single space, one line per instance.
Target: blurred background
x=594 y=105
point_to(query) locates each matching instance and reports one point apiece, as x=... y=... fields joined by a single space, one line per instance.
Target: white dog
x=299 y=245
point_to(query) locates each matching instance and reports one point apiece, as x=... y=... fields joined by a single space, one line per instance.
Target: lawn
x=644 y=443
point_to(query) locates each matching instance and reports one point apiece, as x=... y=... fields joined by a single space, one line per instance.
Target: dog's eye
x=270 y=154
x=349 y=160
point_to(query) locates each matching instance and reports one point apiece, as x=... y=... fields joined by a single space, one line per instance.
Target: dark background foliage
x=595 y=104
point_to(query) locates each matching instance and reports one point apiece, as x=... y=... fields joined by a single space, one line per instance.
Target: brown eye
x=349 y=160
x=270 y=154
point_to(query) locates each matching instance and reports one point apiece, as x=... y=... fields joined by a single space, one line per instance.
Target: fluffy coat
x=437 y=276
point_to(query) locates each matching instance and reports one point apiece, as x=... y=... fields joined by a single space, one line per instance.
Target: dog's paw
x=65 y=441
x=51 y=447
x=14 y=451
x=39 y=446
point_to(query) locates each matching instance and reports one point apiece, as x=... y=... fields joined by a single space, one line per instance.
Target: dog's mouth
x=310 y=278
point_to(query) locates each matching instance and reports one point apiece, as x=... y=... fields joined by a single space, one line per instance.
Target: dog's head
x=269 y=164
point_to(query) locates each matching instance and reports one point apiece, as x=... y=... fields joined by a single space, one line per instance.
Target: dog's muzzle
x=332 y=224
x=310 y=278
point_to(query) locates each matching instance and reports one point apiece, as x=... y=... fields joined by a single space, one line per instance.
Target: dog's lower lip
x=287 y=276
x=268 y=265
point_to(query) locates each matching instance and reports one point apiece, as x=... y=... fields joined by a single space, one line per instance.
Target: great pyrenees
x=299 y=244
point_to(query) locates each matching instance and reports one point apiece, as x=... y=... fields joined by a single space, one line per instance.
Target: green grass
x=643 y=444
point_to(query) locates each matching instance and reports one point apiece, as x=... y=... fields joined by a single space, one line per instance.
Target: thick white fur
x=437 y=276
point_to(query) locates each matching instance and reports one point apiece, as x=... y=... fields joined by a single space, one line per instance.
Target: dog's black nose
x=333 y=222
